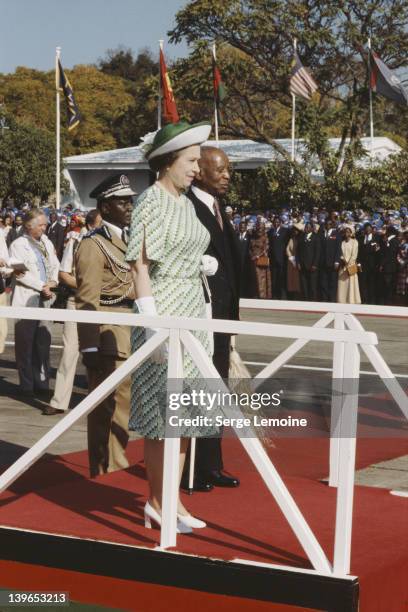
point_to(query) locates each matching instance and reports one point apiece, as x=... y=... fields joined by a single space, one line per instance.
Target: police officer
x=105 y=284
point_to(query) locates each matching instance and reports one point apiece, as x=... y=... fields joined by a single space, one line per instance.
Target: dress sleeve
x=147 y=226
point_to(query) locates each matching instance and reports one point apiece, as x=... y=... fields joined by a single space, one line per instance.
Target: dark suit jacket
x=368 y=254
x=277 y=245
x=57 y=235
x=14 y=234
x=247 y=281
x=330 y=251
x=309 y=252
x=388 y=260
x=225 y=284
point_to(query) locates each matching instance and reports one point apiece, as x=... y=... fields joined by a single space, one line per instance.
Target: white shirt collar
x=114 y=229
x=391 y=237
x=205 y=197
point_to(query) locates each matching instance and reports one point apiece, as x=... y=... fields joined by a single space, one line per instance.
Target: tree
x=27 y=163
x=141 y=76
x=102 y=99
x=255 y=43
x=368 y=187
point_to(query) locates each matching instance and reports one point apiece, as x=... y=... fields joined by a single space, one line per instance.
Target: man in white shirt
x=3 y=296
x=64 y=380
x=33 y=288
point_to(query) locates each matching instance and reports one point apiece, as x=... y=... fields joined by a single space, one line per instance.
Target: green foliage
x=255 y=46
x=27 y=162
x=369 y=187
x=141 y=76
x=29 y=96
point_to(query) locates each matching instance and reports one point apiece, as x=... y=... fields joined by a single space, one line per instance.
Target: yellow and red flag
x=170 y=113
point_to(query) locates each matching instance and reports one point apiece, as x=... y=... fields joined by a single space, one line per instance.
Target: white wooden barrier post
x=264 y=466
x=171 y=467
x=382 y=369
x=82 y=409
x=348 y=434
x=336 y=408
x=180 y=329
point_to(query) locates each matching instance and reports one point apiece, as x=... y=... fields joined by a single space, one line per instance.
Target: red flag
x=170 y=114
x=385 y=82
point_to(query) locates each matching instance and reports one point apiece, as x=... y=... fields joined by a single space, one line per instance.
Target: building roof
x=243 y=153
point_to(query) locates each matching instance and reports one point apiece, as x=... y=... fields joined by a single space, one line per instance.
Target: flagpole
x=159 y=106
x=293 y=112
x=58 y=132
x=371 y=98
x=215 y=102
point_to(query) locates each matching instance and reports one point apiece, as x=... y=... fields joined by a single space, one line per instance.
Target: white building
x=84 y=172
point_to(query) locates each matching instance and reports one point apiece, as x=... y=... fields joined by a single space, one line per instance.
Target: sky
x=30 y=30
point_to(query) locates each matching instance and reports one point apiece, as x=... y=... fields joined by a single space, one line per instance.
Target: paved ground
x=21 y=421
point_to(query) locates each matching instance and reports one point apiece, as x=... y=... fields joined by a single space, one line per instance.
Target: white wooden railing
x=178 y=332
x=342 y=316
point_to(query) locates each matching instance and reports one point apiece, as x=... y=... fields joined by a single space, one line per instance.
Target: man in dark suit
x=56 y=233
x=207 y=190
x=246 y=277
x=368 y=258
x=389 y=264
x=330 y=253
x=278 y=239
x=309 y=259
x=16 y=231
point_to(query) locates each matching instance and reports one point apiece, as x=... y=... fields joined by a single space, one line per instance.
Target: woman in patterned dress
x=166 y=246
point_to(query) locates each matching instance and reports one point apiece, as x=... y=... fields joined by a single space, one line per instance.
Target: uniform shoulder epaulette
x=99 y=231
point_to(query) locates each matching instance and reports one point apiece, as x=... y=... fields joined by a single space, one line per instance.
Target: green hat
x=176 y=136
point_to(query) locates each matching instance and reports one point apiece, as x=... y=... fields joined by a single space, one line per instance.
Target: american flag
x=301 y=82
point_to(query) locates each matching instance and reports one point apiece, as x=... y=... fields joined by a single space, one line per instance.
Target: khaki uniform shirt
x=96 y=280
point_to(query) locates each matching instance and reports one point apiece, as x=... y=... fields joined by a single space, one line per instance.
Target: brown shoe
x=49 y=411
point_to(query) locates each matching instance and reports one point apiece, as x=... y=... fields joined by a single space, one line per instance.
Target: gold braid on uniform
x=121 y=272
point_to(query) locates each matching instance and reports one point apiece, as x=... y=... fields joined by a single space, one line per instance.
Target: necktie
x=125 y=235
x=216 y=208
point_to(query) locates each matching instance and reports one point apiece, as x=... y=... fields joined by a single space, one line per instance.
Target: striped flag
x=385 y=82
x=220 y=90
x=63 y=85
x=302 y=83
x=170 y=113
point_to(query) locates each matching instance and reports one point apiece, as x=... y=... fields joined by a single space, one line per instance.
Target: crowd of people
x=349 y=257
x=319 y=255
x=175 y=251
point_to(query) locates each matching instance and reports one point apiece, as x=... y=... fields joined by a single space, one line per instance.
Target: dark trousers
x=308 y=284
x=208 y=450
x=278 y=272
x=389 y=282
x=32 y=349
x=367 y=281
x=328 y=284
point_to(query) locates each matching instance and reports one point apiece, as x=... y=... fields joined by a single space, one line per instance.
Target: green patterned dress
x=175 y=241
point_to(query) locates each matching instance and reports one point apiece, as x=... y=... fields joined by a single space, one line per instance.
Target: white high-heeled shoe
x=150 y=514
x=191 y=521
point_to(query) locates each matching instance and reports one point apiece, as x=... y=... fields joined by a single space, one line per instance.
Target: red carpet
x=55 y=496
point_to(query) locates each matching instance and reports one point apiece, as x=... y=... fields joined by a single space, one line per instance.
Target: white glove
x=147 y=306
x=209 y=265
